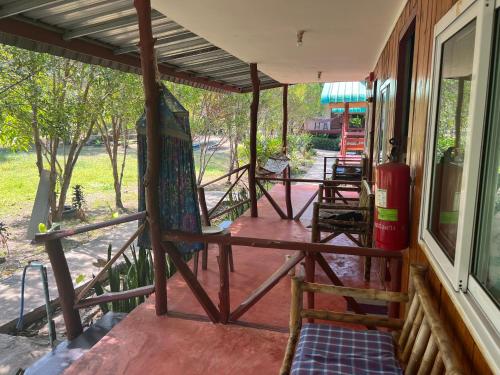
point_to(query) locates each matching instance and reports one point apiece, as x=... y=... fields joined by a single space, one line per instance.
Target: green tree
x=53 y=104
x=123 y=104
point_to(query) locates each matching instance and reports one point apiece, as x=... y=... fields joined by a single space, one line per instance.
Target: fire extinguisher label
x=381 y=198
x=387 y=214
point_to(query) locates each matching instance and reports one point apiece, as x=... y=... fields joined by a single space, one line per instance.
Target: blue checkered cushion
x=324 y=349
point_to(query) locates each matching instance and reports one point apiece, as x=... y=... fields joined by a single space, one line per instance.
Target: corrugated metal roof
x=343 y=92
x=105 y=32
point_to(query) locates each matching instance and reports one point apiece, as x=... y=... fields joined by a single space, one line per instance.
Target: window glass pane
x=486 y=267
x=452 y=124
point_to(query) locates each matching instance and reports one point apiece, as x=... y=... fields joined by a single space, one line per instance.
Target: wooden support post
x=395 y=270
x=288 y=199
x=205 y=217
x=372 y=125
x=153 y=138
x=224 y=301
x=345 y=129
x=284 y=132
x=284 y=129
x=65 y=288
x=254 y=109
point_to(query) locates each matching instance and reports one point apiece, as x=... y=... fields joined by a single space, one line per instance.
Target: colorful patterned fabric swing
x=179 y=209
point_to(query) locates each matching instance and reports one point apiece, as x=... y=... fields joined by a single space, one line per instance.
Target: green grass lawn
x=19 y=178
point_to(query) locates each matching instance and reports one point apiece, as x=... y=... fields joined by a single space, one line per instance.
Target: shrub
x=326 y=143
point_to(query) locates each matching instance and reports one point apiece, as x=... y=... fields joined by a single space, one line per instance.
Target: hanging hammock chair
x=179 y=209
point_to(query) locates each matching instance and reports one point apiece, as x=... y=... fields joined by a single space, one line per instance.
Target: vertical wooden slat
x=418 y=349
x=412 y=335
x=153 y=138
x=429 y=357
x=438 y=366
x=295 y=324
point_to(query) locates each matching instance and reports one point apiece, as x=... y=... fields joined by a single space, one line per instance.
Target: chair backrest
x=424 y=345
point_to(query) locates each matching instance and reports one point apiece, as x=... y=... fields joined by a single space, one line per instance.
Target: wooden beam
x=116 y=296
x=375 y=294
x=89 y=51
x=192 y=282
x=351 y=105
x=266 y=243
x=58 y=234
x=110 y=262
x=367 y=320
x=308 y=203
x=254 y=109
x=153 y=139
x=275 y=205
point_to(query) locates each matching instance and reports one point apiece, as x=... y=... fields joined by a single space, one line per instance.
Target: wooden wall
x=426 y=13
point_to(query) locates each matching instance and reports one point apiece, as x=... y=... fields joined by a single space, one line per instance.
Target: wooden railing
x=311 y=252
x=209 y=214
x=336 y=187
x=70 y=302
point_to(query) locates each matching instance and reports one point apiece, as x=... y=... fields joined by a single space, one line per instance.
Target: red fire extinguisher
x=392 y=195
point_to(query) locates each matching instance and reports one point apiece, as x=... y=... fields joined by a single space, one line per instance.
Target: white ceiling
x=342 y=39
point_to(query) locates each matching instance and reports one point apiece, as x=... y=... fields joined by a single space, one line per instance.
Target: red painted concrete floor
x=148 y=344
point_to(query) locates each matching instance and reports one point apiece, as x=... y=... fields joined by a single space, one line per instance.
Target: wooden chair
x=346 y=170
x=422 y=345
x=351 y=220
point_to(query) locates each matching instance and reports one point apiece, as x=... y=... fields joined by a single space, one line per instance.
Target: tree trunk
x=117 y=186
x=36 y=138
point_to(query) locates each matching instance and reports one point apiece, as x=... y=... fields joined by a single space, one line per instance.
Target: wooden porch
x=185 y=342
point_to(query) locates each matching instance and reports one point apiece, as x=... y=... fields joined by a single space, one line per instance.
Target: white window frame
x=381 y=139
x=476 y=308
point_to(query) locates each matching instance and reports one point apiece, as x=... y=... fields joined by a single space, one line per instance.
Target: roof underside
x=342 y=39
x=105 y=32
